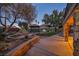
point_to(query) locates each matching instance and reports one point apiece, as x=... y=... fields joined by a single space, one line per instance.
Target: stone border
x=23 y=48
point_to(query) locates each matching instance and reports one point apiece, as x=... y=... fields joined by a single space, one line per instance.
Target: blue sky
x=43 y=8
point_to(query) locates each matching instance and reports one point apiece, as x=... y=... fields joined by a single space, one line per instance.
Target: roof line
x=70 y=12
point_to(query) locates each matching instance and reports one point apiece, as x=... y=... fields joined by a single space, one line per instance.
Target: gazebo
x=71 y=19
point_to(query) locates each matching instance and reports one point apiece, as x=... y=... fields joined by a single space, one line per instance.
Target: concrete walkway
x=51 y=46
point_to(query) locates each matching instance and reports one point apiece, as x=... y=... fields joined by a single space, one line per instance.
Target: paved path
x=51 y=46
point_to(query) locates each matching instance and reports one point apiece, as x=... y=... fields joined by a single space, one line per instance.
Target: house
x=34 y=28
x=14 y=28
x=71 y=21
x=45 y=27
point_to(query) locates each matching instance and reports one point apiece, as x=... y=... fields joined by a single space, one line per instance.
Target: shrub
x=2 y=36
x=46 y=33
x=34 y=30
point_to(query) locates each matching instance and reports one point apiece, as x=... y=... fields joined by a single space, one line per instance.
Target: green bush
x=2 y=36
x=47 y=33
x=34 y=30
x=50 y=33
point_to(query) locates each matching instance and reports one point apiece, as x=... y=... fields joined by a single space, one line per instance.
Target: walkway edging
x=23 y=48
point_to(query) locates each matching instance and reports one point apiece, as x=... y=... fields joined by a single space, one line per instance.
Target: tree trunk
x=0 y=18
x=55 y=29
x=28 y=25
x=11 y=24
x=5 y=23
x=1 y=22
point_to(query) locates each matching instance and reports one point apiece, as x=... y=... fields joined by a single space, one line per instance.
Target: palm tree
x=61 y=18
x=35 y=21
x=38 y=22
x=46 y=19
x=54 y=19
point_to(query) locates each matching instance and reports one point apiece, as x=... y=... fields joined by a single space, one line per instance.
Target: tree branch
x=1 y=20
x=12 y=23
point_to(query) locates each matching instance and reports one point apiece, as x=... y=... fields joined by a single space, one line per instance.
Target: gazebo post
x=66 y=32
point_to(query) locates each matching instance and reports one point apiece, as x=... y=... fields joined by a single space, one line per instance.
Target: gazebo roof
x=68 y=11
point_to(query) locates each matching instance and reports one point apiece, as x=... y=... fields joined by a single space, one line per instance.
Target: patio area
x=52 y=46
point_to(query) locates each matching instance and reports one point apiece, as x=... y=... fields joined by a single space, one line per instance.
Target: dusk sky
x=43 y=8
